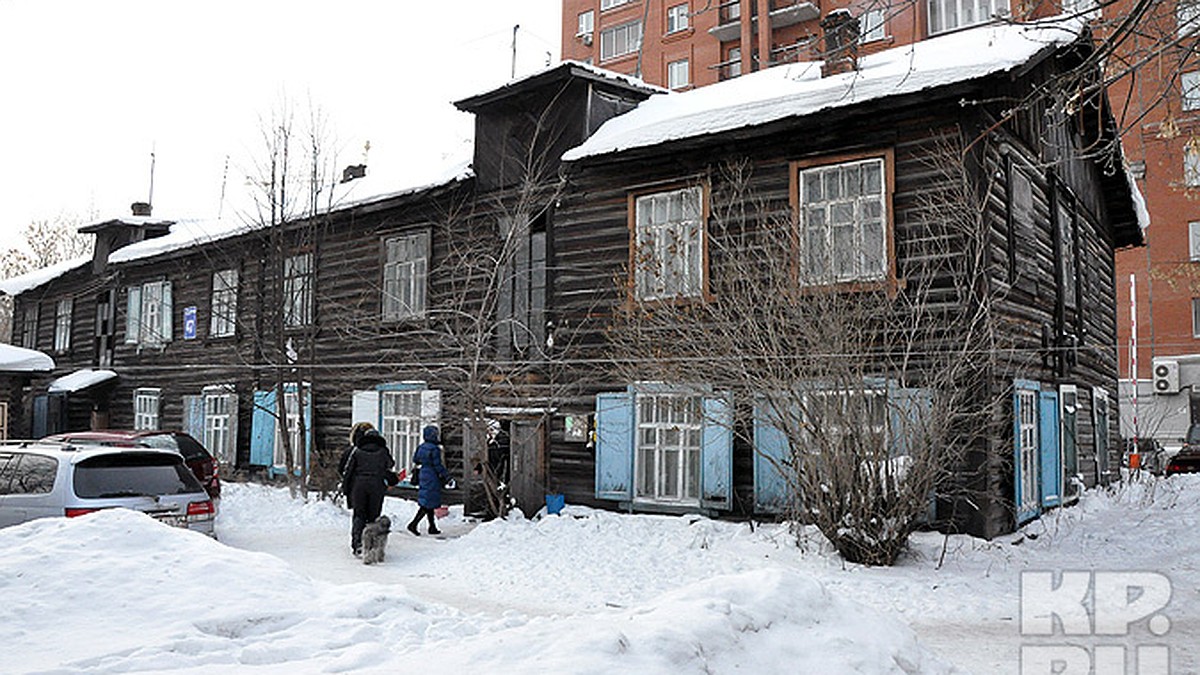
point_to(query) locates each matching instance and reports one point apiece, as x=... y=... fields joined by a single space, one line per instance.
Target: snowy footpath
x=594 y=592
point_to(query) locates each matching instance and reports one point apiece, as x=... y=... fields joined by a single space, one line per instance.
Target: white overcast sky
x=88 y=89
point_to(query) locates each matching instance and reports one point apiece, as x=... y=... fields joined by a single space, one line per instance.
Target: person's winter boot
x=434 y=530
x=412 y=527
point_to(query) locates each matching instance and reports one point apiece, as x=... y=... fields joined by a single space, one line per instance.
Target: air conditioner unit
x=1166 y=377
x=585 y=38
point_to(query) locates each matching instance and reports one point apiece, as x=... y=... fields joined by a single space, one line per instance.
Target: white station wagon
x=45 y=479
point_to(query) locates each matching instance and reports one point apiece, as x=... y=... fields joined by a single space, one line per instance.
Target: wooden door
x=527 y=465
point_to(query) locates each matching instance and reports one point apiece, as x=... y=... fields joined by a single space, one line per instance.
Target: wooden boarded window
x=1068 y=267
x=524 y=283
x=1020 y=216
x=29 y=325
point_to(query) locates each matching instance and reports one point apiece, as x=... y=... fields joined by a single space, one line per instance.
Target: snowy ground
x=588 y=592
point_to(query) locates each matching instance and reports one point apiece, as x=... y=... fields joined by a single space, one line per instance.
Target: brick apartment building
x=1160 y=114
x=681 y=44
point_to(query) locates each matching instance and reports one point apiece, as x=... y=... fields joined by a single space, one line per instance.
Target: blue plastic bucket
x=555 y=503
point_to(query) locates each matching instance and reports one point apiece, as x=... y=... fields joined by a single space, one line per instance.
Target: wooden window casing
x=637 y=253
x=223 y=312
x=886 y=281
x=62 y=325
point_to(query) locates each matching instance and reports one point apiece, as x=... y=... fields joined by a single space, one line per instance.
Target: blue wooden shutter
x=614 y=445
x=262 y=429
x=1051 y=460
x=908 y=418
x=716 y=454
x=908 y=411
x=772 y=460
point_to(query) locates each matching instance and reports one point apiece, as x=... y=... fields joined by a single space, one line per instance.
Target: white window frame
x=678 y=74
x=587 y=23
x=835 y=427
x=948 y=15
x=1027 y=428
x=838 y=212
x=609 y=4
x=669 y=252
x=148 y=319
x=1189 y=90
x=298 y=289
x=735 y=62
x=405 y=276
x=677 y=18
x=1191 y=165
x=401 y=423
x=1196 y=318
x=292 y=408
x=668 y=447
x=146 y=405
x=872 y=26
x=621 y=40
x=220 y=411
x=62 y=324
x=3 y=420
x=223 y=317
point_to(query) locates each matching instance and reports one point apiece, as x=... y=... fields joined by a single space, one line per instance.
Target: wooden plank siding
x=585 y=205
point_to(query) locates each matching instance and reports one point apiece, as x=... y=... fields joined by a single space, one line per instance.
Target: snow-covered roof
x=796 y=90
x=80 y=380
x=15 y=359
x=184 y=234
x=131 y=221
x=576 y=68
x=24 y=282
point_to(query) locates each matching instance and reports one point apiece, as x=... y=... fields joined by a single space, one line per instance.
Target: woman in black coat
x=368 y=471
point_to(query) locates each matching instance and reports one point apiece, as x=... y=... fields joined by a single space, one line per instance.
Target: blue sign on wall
x=189 y=323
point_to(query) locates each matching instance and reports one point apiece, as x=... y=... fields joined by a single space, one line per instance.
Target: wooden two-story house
x=492 y=300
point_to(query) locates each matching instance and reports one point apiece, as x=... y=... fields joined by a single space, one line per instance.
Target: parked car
x=1187 y=460
x=198 y=458
x=45 y=479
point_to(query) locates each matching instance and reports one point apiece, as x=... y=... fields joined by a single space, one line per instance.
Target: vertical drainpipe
x=764 y=33
x=747 y=41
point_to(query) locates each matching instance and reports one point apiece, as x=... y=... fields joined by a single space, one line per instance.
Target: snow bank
x=117 y=591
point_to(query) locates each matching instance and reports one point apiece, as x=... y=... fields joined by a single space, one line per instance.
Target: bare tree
x=43 y=243
x=874 y=390
x=292 y=185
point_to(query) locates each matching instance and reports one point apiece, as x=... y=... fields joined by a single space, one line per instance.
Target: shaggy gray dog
x=374 y=539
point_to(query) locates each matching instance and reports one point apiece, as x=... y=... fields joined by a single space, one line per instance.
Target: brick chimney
x=141 y=208
x=839 y=44
x=354 y=171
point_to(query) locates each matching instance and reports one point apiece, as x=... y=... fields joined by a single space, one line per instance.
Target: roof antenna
x=224 y=180
x=150 y=200
x=514 y=52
